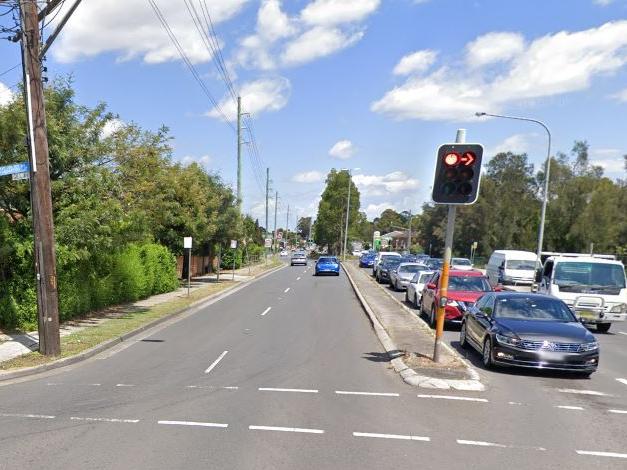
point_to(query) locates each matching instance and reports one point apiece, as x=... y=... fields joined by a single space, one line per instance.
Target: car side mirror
x=431 y=285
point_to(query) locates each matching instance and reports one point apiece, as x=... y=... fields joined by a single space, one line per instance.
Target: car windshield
x=410 y=268
x=469 y=283
x=520 y=264
x=461 y=262
x=533 y=308
x=589 y=274
x=391 y=262
x=424 y=277
x=327 y=260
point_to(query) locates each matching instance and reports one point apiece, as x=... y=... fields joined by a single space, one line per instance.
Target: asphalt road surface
x=287 y=374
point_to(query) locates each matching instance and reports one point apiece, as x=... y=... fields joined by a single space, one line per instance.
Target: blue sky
x=370 y=84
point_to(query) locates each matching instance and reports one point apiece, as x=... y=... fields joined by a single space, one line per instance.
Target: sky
x=374 y=86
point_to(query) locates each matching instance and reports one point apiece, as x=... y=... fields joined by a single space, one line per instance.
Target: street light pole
x=547 y=170
x=348 y=209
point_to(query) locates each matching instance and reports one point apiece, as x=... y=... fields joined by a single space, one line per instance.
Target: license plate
x=587 y=314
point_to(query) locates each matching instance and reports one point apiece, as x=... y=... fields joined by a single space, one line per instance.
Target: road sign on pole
x=15 y=168
x=233 y=244
x=268 y=242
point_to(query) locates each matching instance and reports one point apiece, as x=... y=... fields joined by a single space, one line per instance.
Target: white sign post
x=187 y=246
x=233 y=247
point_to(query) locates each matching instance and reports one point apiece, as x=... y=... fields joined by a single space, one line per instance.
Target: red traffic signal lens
x=452 y=159
x=468 y=158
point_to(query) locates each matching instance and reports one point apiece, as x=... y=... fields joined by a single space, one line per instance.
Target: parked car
x=381 y=256
x=464 y=288
x=383 y=269
x=461 y=263
x=327 y=265
x=511 y=267
x=299 y=258
x=400 y=277
x=529 y=330
x=413 y=294
x=366 y=260
x=434 y=263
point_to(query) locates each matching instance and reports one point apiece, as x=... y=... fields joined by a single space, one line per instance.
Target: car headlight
x=620 y=308
x=510 y=340
x=592 y=346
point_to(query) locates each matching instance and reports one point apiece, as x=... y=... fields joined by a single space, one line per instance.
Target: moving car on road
x=529 y=330
x=400 y=277
x=382 y=273
x=284 y=253
x=366 y=260
x=413 y=293
x=461 y=263
x=327 y=265
x=464 y=288
x=299 y=258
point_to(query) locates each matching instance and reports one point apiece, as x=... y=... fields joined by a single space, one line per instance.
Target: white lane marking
x=124 y=385
x=215 y=363
x=298 y=278
x=287 y=290
x=282 y=429
x=106 y=420
x=298 y=390
x=622 y=333
x=622 y=412
x=479 y=443
x=194 y=423
x=266 y=311
x=211 y=387
x=20 y=415
x=452 y=397
x=582 y=392
x=602 y=454
x=392 y=436
x=623 y=381
x=566 y=407
x=514 y=403
x=374 y=394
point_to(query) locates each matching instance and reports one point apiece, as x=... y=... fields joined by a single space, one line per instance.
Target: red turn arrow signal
x=468 y=158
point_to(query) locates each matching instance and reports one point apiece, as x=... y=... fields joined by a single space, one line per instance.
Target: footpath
x=14 y=345
x=408 y=340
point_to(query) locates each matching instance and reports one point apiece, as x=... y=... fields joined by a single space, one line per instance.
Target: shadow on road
x=381 y=356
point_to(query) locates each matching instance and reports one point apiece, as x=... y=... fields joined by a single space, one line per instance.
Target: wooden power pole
x=43 y=227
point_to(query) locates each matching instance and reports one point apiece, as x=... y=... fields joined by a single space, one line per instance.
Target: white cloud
x=517 y=143
x=111 y=127
x=558 y=63
x=318 y=42
x=621 y=96
x=328 y=12
x=416 y=62
x=611 y=165
x=494 y=47
x=604 y=152
x=603 y=3
x=6 y=95
x=375 y=210
x=203 y=160
x=263 y=95
x=130 y=28
x=308 y=177
x=342 y=150
x=382 y=185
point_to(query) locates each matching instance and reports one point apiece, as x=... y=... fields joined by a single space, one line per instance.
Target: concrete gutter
x=157 y=324
x=410 y=376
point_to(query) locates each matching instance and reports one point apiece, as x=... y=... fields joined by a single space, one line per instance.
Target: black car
x=383 y=269
x=529 y=330
x=435 y=264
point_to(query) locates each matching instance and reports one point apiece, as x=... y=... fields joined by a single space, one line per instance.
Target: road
x=288 y=374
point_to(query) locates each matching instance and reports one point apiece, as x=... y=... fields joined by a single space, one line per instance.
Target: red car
x=464 y=289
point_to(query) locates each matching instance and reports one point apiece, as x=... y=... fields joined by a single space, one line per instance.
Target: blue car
x=327 y=265
x=367 y=259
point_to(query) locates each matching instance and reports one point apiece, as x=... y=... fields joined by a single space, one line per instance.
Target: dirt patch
x=420 y=361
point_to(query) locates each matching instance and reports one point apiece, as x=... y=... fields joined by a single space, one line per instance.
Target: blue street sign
x=23 y=167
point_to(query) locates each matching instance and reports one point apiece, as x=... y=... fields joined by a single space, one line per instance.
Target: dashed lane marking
x=297 y=390
x=567 y=407
x=623 y=381
x=211 y=387
x=286 y=290
x=376 y=394
x=452 y=397
x=298 y=278
x=124 y=385
x=20 y=415
x=283 y=429
x=582 y=392
x=266 y=311
x=622 y=333
x=514 y=403
x=621 y=412
x=479 y=443
x=215 y=363
x=392 y=436
x=194 y=423
x=602 y=454
x=106 y=420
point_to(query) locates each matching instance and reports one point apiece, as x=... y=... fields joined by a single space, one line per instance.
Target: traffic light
x=457 y=174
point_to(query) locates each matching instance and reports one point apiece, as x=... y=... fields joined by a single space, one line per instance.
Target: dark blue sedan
x=327 y=265
x=366 y=260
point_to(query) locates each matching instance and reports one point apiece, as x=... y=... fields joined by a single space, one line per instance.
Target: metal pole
x=265 y=250
x=239 y=153
x=287 y=228
x=448 y=248
x=189 y=269
x=348 y=210
x=409 y=234
x=276 y=205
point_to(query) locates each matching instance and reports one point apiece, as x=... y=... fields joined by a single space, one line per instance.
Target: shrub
x=228 y=256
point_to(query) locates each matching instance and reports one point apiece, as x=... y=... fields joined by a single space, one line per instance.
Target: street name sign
x=23 y=167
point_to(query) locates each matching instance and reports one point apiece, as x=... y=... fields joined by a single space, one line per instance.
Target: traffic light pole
x=448 y=248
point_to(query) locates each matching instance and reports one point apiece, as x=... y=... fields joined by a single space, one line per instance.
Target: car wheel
x=603 y=327
x=416 y=304
x=463 y=342
x=406 y=297
x=432 y=318
x=487 y=353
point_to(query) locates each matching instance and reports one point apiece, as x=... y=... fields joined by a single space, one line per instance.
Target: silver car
x=299 y=258
x=400 y=277
x=413 y=294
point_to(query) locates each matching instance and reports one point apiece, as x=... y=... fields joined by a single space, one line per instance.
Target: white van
x=511 y=267
x=594 y=287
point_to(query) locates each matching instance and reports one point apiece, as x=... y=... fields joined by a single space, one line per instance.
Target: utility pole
x=265 y=250
x=409 y=234
x=310 y=236
x=448 y=248
x=41 y=198
x=239 y=154
x=348 y=211
x=287 y=227
x=276 y=205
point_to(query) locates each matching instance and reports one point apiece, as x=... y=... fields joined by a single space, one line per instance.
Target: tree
x=303 y=227
x=389 y=221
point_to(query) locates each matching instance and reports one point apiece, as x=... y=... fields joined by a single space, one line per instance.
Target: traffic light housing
x=457 y=174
